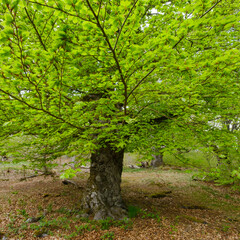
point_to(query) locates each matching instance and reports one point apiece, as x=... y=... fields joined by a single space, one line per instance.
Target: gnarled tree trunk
x=157 y=161
x=103 y=194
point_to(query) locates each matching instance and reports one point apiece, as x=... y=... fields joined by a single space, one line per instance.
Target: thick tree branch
x=113 y=53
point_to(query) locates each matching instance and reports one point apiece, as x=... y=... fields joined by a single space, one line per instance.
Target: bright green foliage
x=90 y=72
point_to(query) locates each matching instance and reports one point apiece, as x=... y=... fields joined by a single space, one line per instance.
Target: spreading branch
x=40 y=109
x=210 y=9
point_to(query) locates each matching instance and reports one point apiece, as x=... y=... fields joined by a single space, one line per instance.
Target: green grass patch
x=14 y=165
x=193 y=159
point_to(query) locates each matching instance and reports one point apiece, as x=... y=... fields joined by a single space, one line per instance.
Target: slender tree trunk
x=103 y=194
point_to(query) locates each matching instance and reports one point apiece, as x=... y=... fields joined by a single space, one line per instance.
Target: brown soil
x=173 y=206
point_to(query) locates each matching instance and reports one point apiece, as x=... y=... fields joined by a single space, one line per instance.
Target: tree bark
x=158 y=157
x=103 y=193
x=157 y=161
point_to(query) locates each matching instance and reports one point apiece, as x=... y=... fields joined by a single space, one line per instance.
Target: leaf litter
x=169 y=205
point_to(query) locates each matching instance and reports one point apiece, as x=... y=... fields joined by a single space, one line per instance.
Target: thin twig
x=34 y=26
x=61 y=10
x=210 y=9
x=199 y=17
x=140 y=82
x=125 y=20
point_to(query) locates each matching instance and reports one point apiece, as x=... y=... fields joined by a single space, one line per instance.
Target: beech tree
x=105 y=74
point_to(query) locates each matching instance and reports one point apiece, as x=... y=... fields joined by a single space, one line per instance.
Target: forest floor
x=163 y=204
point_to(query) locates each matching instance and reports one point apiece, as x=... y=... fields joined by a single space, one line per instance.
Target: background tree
x=103 y=72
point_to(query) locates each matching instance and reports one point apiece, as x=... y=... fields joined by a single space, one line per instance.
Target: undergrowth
x=70 y=221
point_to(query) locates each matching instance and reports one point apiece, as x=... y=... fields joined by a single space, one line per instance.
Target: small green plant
x=22 y=203
x=85 y=219
x=24 y=226
x=133 y=211
x=49 y=207
x=60 y=222
x=105 y=224
x=12 y=227
x=14 y=192
x=173 y=229
x=23 y=212
x=69 y=212
x=145 y=214
x=108 y=236
x=225 y=228
x=21 y=236
x=82 y=228
x=125 y=224
x=174 y=226
x=63 y=210
x=71 y=236
x=227 y=196
x=159 y=219
x=9 y=201
x=12 y=219
x=40 y=208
